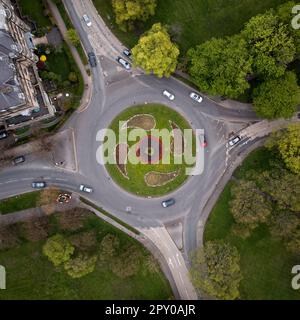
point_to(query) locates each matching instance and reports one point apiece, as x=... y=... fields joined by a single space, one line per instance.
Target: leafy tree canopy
x=216 y=270
x=277 y=98
x=221 y=66
x=58 y=249
x=128 y=11
x=270 y=44
x=155 y=52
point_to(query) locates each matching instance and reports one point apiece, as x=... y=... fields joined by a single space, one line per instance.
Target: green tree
x=216 y=270
x=73 y=37
x=73 y=77
x=155 y=52
x=249 y=206
x=270 y=44
x=129 y=11
x=80 y=266
x=284 y=188
x=221 y=66
x=58 y=249
x=286 y=225
x=277 y=98
x=284 y=13
x=288 y=144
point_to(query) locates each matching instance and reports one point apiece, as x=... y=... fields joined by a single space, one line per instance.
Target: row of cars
x=193 y=95
x=43 y=185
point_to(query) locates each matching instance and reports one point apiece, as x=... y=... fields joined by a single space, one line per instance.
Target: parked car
x=169 y=95
x=18 y=160
x=87 y=20
x=196 y=97
x=298 y=115
x=203 y=141
x=124 y=63
x=92 y=59
x=86 y=189
x=127 y=53
x=168 y=203
x=234 y=141
x=38 y=185
x=3 y=135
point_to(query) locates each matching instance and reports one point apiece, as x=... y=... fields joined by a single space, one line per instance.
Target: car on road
x=87 y=20
x=3 y=135
x=169 y=95
x=127 y=53
x=86 y=189
x=234 y=141
x=124 y=63
x=298 y=115
x=168 y=203
x=38 y=185
x=92 y=59
x=203 y=141
x=196 y=97
x=18 y=160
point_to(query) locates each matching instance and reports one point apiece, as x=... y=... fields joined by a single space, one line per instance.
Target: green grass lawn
x=136 y=172
x=30 y=275
x=35 y=12
x=194 y=21
x=17 y=203
x=265 y=263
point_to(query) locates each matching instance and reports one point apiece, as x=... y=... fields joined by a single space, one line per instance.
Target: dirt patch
x=72 y=220
x=158 y=179
x=142 y=121
x=121 y=158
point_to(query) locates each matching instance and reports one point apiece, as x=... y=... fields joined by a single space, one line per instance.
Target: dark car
x=3 y=135
x=168 y=203
x=299 y=115
x=127 y=53
x=18 y=160
x=92 y=59
x=38 y=185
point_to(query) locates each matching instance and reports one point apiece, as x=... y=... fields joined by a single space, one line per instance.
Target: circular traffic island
x=148 y=150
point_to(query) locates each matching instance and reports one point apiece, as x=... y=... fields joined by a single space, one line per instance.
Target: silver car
x=124 y=63
x=196 y=97
x=86 y=189
x=87 y=20
x=234 y=141
x=169 y=95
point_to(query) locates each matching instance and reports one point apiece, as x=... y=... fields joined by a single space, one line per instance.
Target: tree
x=288 y=144
x=221 y=66
x=127 y=263
x=270 y=44
x=129 y=11
x=284 y=13
x=80 y=266
x=216 y=270
x=58 y=250
x=249 y=206
x=286 y=225
x=277 y=98
x=155 y=52
x=283 y=187
x=73 y=77
x=73 y=37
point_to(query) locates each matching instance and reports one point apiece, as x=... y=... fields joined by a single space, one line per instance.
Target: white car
x=87 y=20
x=234 y=141
x=86 y=189
x=196 y=97
x=124 y=63
x=169 y=95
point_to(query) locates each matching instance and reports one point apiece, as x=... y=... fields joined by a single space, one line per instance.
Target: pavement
x=113 y=90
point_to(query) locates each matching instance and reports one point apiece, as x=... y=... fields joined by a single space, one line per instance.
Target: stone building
x=22 y=97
